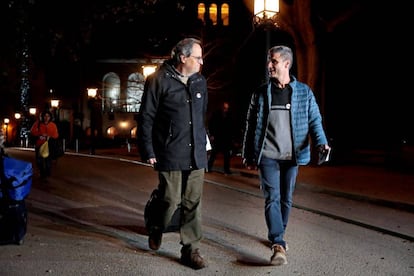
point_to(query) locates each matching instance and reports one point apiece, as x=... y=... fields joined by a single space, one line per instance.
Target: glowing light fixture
x=123 y=124
x=266 y=11
x=148 y=70
x=92 y=92
x=54 y=103
x=32 y=111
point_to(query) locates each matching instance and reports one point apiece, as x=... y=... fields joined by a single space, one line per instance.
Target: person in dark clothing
x=172 y=138
x=220 y=129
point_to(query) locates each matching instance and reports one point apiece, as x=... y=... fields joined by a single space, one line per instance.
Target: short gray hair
x=284 y=51
x=183 y=47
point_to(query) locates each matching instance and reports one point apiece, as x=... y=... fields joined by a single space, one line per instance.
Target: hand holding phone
x=324 y=155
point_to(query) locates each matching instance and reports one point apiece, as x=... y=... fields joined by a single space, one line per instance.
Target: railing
x=110 y=105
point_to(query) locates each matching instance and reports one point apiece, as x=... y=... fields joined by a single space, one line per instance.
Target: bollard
x=76 y=145
x=128 y=146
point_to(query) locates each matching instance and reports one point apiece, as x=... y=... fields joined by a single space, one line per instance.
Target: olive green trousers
x=183 y=189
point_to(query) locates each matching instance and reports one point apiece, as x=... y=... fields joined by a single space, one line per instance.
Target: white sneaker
x=278 y=255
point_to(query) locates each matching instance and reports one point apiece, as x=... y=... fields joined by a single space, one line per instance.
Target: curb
x=128 y=157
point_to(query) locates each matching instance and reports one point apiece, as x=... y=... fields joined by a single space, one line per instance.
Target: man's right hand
x=249 y=164
x=152 y=161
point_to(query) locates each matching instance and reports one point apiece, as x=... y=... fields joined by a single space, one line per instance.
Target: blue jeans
x=278 y=180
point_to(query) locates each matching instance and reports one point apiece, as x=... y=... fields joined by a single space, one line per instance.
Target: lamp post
x=92 y=93
x=265 y=15
x=19 y=136
x=32 y=113
x=6 y=122
x=55 y=107
x=54 y=104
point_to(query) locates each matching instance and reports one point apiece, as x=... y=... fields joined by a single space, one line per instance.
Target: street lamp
x=54 y=103
x=32 y=111
x=148 y=70
x=265 y=15
x=92 y=94
x=55 y=107
x=6 y=122
x=266 y=11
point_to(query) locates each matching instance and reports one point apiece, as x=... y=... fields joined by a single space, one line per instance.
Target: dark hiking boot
x=154 y=239
x=193 y=260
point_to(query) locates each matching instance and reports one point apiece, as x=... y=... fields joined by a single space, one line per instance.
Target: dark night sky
x=366 y=95
x=367 y=58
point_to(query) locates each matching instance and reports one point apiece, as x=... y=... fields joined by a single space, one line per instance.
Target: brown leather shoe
x=154 y=239
x=193 y=260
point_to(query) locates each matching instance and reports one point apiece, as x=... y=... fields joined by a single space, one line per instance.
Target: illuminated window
x=225 y=14
x=111 y=92
x=213 y=13
x=201 y=11
x=135 y=90
x=111 y=132
x=134 y=133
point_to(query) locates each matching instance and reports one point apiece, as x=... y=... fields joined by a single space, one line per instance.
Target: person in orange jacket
x=42 y=130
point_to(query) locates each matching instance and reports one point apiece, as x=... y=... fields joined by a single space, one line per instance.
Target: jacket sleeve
x=52 y=130
x=148 y=110
x=248 y=152
x=316 y=130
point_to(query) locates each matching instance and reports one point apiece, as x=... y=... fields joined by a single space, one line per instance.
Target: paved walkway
x=370 y=183
x=80 y=225
x=377 y=184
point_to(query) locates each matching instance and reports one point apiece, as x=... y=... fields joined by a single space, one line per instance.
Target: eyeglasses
x=199 y=59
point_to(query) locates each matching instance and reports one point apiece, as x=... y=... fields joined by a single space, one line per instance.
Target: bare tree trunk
x=296 y=20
